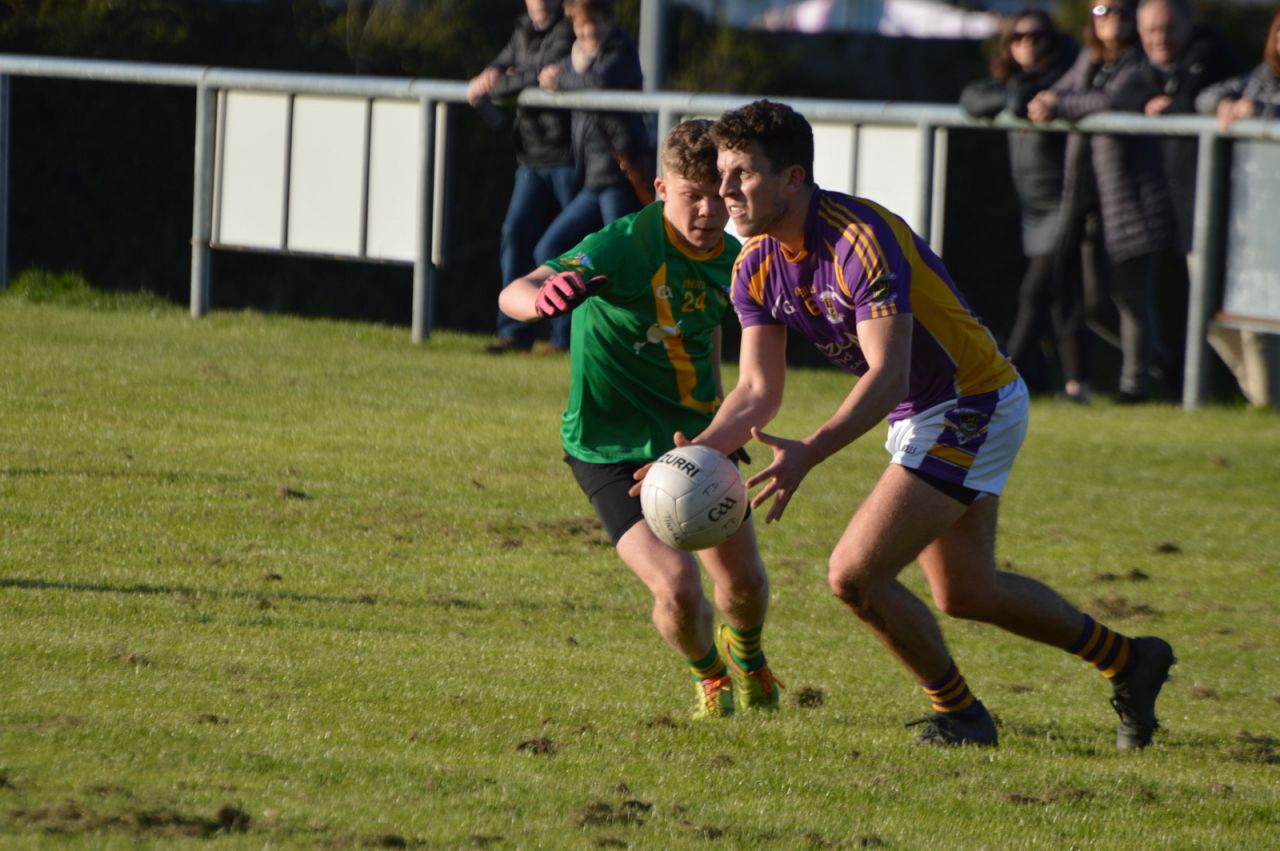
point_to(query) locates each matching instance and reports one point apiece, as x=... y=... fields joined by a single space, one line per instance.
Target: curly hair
x=784 y=136
x=689 y=152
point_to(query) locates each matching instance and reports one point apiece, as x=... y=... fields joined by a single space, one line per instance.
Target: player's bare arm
x=886 y=346
x=717 y=354
x=762 y=370
x=554 y=293
x=519 y=300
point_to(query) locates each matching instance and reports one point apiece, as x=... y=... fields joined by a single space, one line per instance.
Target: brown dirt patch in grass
x=71 y=817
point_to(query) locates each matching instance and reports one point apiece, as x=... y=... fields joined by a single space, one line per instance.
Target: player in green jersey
x=649 y=292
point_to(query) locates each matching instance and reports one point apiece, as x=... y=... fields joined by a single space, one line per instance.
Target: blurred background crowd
x=1080 y=262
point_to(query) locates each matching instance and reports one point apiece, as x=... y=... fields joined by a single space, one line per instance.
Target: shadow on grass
x=185 y=591
x=264 y=599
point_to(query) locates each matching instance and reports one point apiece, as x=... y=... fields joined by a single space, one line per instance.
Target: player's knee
x=679 y=597
x=848 y=583
x=747 y=584
x=963 y=604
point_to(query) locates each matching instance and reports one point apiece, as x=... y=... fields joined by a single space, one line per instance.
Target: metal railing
x=933 y=121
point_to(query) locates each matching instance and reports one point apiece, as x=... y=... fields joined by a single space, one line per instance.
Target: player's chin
x=705 y=238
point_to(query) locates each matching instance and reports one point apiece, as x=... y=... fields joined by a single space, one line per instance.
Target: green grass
x=282 y=583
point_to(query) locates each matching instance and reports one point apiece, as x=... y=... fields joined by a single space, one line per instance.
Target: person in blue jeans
x=546 y=178
x=603 y=57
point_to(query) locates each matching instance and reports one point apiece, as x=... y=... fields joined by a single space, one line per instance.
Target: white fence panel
x=249 y=209
x=326 y=182
x=393 y=181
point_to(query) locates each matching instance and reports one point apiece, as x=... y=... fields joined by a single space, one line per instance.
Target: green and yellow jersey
x=641 y=352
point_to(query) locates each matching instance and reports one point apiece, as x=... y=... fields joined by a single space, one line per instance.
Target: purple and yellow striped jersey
x=862 y=262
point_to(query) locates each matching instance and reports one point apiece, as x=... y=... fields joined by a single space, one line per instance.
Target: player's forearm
x=743 y=409
x=876 y=394
x=518 y=300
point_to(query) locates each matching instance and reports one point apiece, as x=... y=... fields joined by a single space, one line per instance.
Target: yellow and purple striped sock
x=1103 y=648
x=950 y=693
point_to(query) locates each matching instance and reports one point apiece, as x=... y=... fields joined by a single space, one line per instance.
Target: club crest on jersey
x=967 y=424
x=830 y=299
x=579 y=259
x=657 y=335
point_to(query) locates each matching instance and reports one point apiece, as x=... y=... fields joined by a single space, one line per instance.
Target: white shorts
x=971 y=441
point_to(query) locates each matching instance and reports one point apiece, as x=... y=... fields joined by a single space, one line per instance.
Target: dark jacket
x=1121 y=175
x=1206 y=59
x=597 y=135
x=1036 y=158
x=1260 y=85
x=542 y=136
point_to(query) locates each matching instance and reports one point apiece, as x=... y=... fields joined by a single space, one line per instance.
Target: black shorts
x=606 y=485
x=960 y=493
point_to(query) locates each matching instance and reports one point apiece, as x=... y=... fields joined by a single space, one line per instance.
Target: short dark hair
x=783 y=134
x=589 y=8
x=689 y=152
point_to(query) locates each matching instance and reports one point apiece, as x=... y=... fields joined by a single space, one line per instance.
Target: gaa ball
x=693 y=498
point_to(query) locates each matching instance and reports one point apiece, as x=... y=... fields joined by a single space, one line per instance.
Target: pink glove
x=564 y=291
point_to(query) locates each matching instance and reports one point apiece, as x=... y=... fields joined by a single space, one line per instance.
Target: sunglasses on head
x=1028 y=35
x=1104 y=11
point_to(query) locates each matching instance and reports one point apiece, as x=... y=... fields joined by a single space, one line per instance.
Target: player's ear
x=660 y=188
x=796 y=177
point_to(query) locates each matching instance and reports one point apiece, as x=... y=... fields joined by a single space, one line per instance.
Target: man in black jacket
x=1183 y=58
x=546 y=179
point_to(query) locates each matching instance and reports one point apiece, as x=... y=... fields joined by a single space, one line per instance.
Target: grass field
x=277 y=583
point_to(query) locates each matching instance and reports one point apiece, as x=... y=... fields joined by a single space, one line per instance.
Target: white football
x=693 y=498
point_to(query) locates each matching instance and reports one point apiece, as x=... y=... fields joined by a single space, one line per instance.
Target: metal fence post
x=4 y=181
x=202 y=204
x=938 y=193
x=925 y=170
x=440 y=186
x=1206 y=249
x=423 y=268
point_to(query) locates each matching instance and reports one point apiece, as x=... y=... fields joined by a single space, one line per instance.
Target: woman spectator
x=605 y=144
x=1117 y=214
x=1032 y=55
x=1252 y=95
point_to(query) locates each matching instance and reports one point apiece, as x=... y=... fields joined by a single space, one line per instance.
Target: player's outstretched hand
x=564 y=291
x=791 y=463
x=680 y=440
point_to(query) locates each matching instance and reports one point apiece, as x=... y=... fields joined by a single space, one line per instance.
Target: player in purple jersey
x=855 y=280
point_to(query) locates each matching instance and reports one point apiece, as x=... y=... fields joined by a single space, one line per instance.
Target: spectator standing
x=1252 y=95
x=603 y=57
x=1183 y=58
x=1032 y=55
x=1253 y=356
x=1117 y=216
x=545 y=180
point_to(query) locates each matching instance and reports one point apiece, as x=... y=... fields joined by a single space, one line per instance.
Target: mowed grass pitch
x=278 y=583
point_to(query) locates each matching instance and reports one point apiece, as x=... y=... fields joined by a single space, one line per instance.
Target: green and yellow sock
x=950 y=693
x=744 y=647
x=708 y=666
x=1103 y=648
